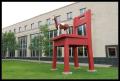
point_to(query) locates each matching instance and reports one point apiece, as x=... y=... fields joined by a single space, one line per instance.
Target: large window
x=69 y=15
x=82 y=51
x=22 y=46
x=70 y=51
x=112 y=51
x=59 y=51
x=11 y=53
x=82 y=30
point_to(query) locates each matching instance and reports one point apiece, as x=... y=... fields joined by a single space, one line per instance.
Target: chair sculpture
x=74 y=40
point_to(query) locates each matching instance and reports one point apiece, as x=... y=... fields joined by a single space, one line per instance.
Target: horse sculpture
x=60 y=26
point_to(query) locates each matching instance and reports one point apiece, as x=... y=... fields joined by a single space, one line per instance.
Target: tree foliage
x=9 y=42
x=44 y=39
x=41 y=42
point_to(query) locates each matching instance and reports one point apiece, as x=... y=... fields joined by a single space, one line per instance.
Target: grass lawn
x=15 y=69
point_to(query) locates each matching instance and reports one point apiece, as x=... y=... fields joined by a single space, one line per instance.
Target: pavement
x=81 y=64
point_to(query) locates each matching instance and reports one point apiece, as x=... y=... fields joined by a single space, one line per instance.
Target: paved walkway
x=81 y=64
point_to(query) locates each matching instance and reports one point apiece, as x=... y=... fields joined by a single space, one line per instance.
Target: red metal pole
x=90 y=52
x=54 y=59
x=90 y=58
x=76 y=64
x=66 y=58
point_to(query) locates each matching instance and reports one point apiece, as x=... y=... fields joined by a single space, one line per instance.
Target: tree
x=9 y=42
x=44 y=39
x=4 y=44
x=34 y=44
x=41 y=42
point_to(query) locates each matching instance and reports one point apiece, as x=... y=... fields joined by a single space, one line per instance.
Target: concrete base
x=76 y=67
x=91 y=70
x=67 y=72
x=54 y=69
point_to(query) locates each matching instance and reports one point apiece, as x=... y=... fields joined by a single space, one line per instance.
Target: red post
x=66 y=58
x=54 y=59
x=90 y=58
x=90 y=52
x=76 y=64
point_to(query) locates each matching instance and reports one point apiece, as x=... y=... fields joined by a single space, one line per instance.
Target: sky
x=14 y=12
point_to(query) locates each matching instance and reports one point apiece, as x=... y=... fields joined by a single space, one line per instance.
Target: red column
x=90 y=58
x=76 y=64
x=90 y=52
x=54 y=59
x=66 y=58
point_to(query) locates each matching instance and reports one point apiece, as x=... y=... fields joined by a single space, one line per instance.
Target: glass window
x=59 y=51
x=51 y=34
x=25 y=27
x=23 y=46
x=55 y=33
x=82 y=10
x=48 y=21
x=111 y=50
x=69 y=30
x=71 y=52
x=19 y=29
x=69 y=15
x=58 y=19
x=37 y=53
x=82 y=30
x=82 y=51
x=32 y=25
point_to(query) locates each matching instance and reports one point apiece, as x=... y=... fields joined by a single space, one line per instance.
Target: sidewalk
x=81 y=64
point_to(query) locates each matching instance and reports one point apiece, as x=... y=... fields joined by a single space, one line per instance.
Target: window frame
x=85 y=51
x=25 y=27
x=20 y=29
x=69 y=16
x=58 y=18
x=48 y=20
x=32 y=25
x=82 y=10
x=83 y=29
x=107 y=52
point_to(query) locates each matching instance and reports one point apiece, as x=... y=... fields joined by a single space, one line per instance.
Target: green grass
x=15 y=69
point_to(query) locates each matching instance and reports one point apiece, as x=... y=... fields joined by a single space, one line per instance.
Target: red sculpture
x=74 y=40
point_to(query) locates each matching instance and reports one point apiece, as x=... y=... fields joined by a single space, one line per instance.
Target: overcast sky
x=13 y=12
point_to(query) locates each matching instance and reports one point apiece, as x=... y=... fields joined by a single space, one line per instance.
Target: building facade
x=104 y=32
